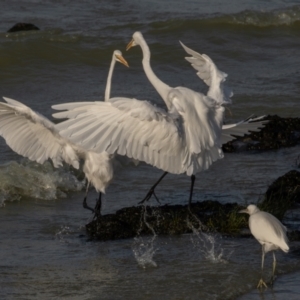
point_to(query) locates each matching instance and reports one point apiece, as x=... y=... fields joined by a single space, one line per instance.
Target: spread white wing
x=231 y=131
x=128 y=127
x=211 y=75
x=33 y=136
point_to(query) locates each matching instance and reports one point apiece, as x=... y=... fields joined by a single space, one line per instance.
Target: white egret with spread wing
x=32 y=135
x=269 y=232
x=202 y=115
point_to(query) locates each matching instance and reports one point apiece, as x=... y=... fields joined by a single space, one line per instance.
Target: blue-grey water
x=45 y=252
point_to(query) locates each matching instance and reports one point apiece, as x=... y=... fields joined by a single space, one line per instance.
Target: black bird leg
x=151 y=191
x=97 y=209
x=98 y=206
x=193 y=177
x=84 y=204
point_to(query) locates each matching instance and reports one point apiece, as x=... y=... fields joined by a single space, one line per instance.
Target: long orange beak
x=122 y=60
x=130 y=45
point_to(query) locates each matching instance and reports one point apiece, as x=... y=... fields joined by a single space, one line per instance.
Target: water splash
x=144 y=250
x=144 y=247
x=62 y=233
x=208 y=244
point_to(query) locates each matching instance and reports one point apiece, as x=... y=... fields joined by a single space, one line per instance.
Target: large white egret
x=269 y=232
x=203 y=113
x=184 y=139
x=32 y=135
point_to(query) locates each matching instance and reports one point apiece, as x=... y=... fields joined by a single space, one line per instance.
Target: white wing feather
x=33 y=136
x=211 y=75
x=128 y=127
x=231 y=131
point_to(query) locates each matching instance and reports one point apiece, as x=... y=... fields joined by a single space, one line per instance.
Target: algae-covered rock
x=208 y=216
x=211 y=215
x=167 y=220
x=282 y=194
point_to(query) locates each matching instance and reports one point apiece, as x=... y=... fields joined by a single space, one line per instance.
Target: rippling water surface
x=45 y=253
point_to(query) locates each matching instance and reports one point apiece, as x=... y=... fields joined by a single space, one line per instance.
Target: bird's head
x=137 y=37
x=119 y=57
x=251 y=209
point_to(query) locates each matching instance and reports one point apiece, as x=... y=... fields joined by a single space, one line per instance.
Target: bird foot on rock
x=148 y=196
x=95 y=210
x=261 y=284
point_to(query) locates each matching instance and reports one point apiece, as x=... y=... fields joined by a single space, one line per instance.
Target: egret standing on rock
x=269 y=232
x=201 y=115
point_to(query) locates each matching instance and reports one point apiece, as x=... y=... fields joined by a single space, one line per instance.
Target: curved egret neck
x=162 y=88
x=109 y=78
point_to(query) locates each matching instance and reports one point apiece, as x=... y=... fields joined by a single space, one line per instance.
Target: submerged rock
x=277 y=133
x=23 y=27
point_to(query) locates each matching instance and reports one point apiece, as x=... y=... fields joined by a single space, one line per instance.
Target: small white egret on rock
x=269 y=232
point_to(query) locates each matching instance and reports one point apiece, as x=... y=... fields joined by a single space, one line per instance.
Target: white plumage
x=269 y=232
x=186 y=139
x=31 y=135
x=251 y=124
x=128 y=127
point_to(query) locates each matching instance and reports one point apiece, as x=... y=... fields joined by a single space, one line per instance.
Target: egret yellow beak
x=244 y=211
x=122 y=60
x=130 y=45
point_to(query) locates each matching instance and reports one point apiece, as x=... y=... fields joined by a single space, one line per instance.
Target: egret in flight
x=32 y=135
x=184 y=139
x=269 y=232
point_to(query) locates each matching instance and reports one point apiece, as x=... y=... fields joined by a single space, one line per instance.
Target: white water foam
x=32 y=180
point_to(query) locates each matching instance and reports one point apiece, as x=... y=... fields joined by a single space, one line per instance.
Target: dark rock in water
x=211 y=216
x=282 y=194
x=277 y=133
x=168 y=219
x=23 y=27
